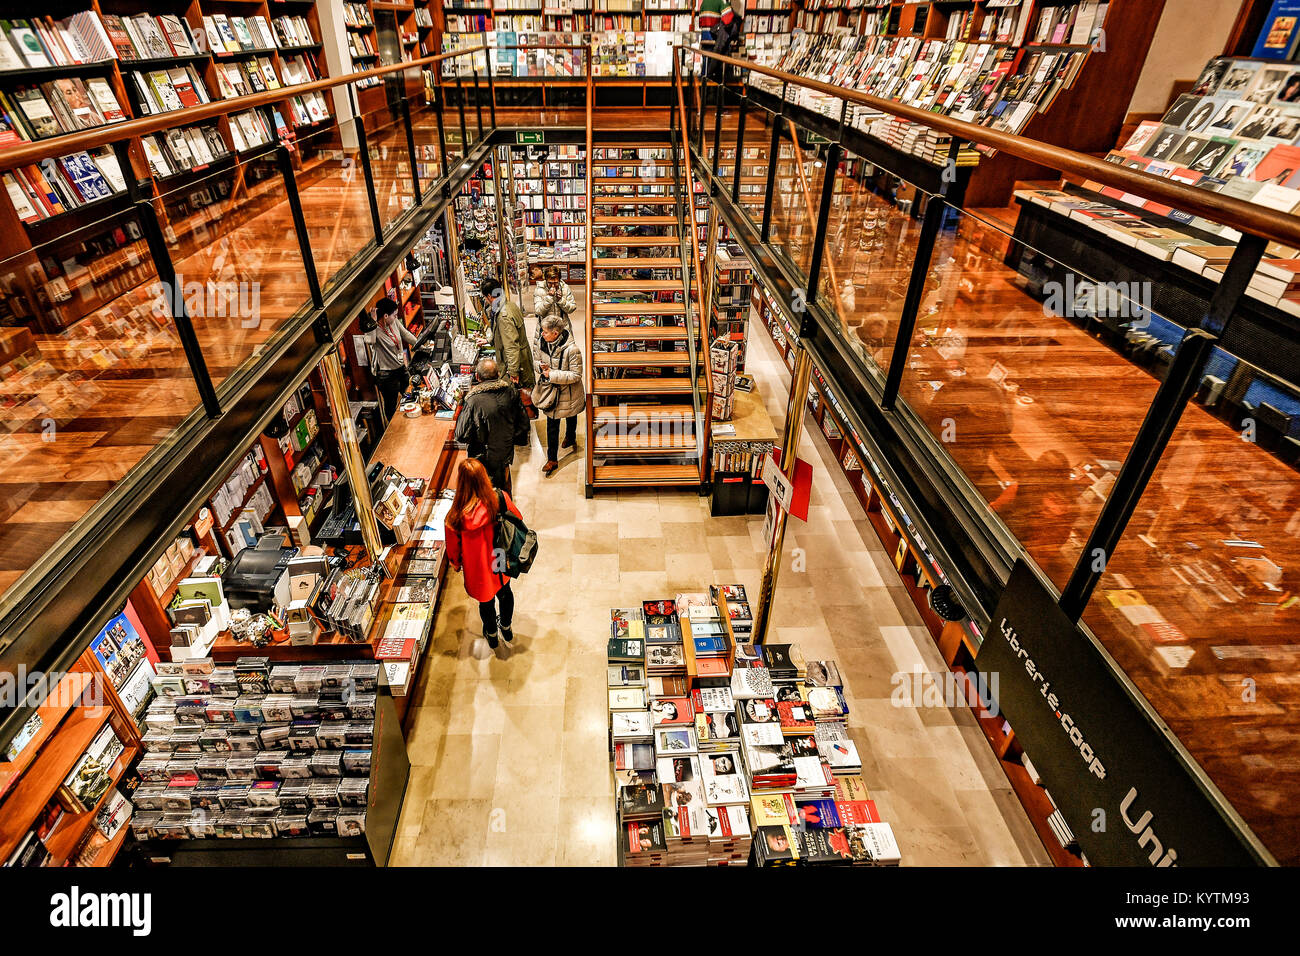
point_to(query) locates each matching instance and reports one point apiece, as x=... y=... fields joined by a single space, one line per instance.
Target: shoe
x=507 y=635
x=492 y=641
x=549 y=467
x=569 y=443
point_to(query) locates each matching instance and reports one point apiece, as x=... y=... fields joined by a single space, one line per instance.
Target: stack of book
x=43 y=41
x=55 y=186
x=738 y=611
x=181 y=150
x=66 y=105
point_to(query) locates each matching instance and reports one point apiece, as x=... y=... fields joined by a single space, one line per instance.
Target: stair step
x=656 y=385
x=635 y=285
x=649 y=443
x=612 y=476
x=636 y=220
x=636 y=414
x=639 y=359
x=647 y=262
x=638 y=308
x=633 y=241
x=648 y=333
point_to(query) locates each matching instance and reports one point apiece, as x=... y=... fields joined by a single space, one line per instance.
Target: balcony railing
x=1056 y=406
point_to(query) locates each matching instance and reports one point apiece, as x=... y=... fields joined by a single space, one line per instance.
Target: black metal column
x=439 y=101
x=478 y=98
x=460 y=107
x=1180 y=383
x=740 y=145
x=167 y=278
x=410 y=149
x=363 y=148
x=934 y=211
x=285 y=161
x=717 y=140
x=823 y=217
x=773 y=149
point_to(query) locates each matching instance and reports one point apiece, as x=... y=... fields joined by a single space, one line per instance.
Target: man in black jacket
x=492 y=421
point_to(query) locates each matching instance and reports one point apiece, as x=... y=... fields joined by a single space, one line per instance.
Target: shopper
x=509 y=337
x=559 y=394
x=729 y=28
x=387 y=355
x=492 y=420
x=707 y=14
x=553 y=297
x=470 y=529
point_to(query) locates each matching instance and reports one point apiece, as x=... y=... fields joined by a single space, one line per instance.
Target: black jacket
x=492 y=421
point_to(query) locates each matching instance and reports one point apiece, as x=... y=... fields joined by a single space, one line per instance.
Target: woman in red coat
x=470 y=525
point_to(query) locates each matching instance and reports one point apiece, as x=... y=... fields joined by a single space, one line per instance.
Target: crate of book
x=750 y=764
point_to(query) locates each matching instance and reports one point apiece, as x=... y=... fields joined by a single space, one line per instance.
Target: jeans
x=553 y=435
x=487 y=611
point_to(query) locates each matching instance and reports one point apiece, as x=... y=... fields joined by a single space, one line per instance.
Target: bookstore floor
x=509 y=756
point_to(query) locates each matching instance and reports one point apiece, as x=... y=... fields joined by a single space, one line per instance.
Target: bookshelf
x=549 y=197
x=39 y=813
x=139 y=59
x=1061 y=92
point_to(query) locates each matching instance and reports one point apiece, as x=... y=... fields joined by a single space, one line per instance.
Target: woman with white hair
x=559 y=393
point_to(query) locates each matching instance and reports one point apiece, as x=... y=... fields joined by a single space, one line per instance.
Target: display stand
x=738 y=486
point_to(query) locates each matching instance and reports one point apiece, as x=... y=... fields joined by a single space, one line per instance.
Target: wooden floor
x=1039 y=415
x=83 y=405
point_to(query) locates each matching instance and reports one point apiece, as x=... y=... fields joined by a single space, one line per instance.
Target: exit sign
x=534 y=138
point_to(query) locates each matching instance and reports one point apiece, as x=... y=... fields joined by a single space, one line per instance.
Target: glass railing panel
x=239 y=267
x=332 y=185
x=390 y=159
x=1007 y=370
x=1198 y=603
x=796 y=196
x=754 y=161
x=871 y=244
x=93 y=375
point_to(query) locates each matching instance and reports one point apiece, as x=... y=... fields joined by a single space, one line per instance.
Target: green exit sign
x=534 y=138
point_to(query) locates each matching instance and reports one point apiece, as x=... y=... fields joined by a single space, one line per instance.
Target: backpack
x=513 y=540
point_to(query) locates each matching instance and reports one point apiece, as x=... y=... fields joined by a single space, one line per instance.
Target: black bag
x=514 y=546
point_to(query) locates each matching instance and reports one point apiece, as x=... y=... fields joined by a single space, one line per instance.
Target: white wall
x=1190 y=32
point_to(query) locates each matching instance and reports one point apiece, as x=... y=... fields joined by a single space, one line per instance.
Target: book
x=625 y=649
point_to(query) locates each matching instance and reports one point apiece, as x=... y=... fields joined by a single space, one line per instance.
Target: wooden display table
x=737 y=487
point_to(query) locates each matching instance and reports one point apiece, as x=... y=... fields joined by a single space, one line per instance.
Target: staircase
x=644 y=415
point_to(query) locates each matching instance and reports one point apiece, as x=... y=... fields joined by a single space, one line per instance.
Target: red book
x=857 y=812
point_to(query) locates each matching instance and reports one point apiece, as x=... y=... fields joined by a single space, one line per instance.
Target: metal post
x=773 y=152
x=1180 y=383
x=823 y=217
x=740 y=146
x=363 y=148
x=934 y=210
x=789 y=455
x=492 y=91
x=717 y=141
x=354 y=466
x=439 y=100
x=460 y=106
x=709 y=281
x=410 y=149
x=162 y=262
x=478 y=99
x=1148 y=446
x=285 y=161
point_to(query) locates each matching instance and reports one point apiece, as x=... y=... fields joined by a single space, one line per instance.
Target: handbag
x=526 y=396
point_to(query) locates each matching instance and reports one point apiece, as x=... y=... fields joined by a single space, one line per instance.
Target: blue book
x=710 y=645
x=1277 y=40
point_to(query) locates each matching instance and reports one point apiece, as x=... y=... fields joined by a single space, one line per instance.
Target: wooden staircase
x=643 y=409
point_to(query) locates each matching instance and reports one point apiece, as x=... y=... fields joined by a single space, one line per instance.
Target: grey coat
x=561 y=394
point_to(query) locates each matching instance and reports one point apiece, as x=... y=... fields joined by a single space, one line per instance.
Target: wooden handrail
x=588 y=286
x=1236 y=213
x=699 y=278
x=142 y=126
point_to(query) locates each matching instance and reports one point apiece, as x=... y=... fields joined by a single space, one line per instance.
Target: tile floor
x=509 y=759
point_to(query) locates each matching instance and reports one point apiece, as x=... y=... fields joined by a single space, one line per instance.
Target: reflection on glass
x=239 y=266
x=332 y=185
x=871 y=240
x=390 y=161
x=1200 y=605
x=93 y=377
x=796 y=196
x=1037 y=413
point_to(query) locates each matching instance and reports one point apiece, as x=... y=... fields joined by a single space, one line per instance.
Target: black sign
x=1112 y=770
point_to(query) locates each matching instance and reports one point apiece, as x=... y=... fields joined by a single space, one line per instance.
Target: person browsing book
x=470 y=528
x=559 y=394
x=553 y=297
x=509 y=338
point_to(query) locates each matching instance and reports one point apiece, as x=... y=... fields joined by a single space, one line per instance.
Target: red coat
x=470 y=547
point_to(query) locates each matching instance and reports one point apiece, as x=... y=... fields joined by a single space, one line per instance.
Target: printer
x=258 y=576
